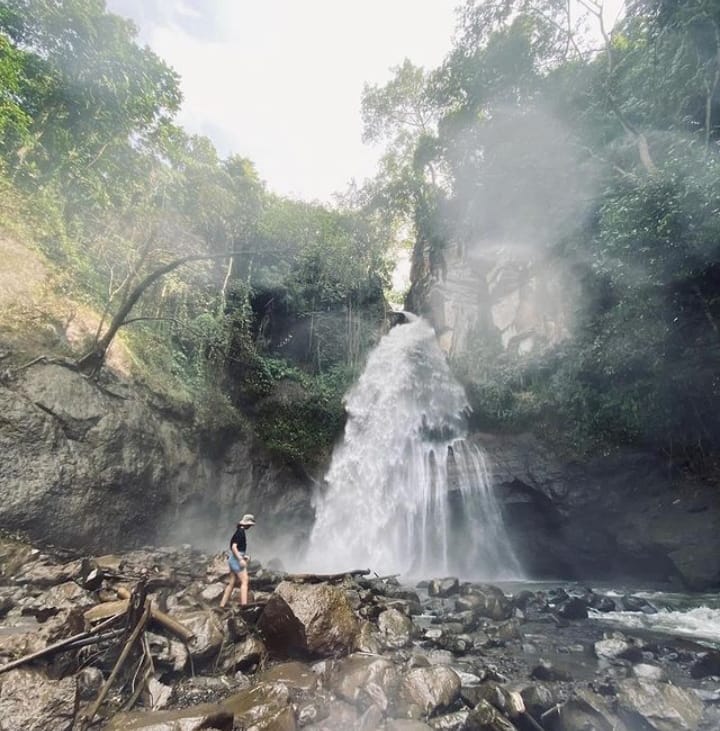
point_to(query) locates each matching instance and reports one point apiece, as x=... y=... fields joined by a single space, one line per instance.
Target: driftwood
x=106 y=609
x=318 y=578
x=91 y=637
x=170 y=624
x=138 y=629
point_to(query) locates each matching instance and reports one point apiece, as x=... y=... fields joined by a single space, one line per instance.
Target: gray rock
x=83 y=468
x=649 y=673
x=31 y=702
x=204 y=716
x=364 y=681
x=444 y=587
x=661 y=706
x=485 y=718
x=395 y=629
x=308 y=620
x=428 y=690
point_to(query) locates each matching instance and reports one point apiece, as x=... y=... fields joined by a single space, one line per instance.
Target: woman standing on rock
x=238 y=561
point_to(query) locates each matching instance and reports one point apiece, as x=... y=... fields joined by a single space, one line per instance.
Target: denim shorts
x=235 y=566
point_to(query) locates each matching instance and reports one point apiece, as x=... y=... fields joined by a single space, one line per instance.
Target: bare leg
x=228 y=590
x=244 y=583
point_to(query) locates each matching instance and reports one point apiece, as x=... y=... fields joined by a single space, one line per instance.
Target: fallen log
x=170 y=624
x=106 y=609
x=318 y=578
x=134 y=636
x=91 y=637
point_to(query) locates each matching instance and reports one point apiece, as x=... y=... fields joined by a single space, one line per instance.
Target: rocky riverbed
x=331 y=653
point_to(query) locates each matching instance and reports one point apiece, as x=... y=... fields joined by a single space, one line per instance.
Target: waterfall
x=406 y=492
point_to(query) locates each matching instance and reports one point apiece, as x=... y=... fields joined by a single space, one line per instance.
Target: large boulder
x=395 y=628
x=660 y=706
x=426 y=691
x=207 y=631
x=486 y=600
x=365 y=681
x=308 y=620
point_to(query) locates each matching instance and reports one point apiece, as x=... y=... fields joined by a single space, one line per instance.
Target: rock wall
x=491 y=290
x=619 y=517
x=104 y=469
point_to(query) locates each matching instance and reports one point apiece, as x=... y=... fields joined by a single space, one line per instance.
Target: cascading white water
x=406 y=492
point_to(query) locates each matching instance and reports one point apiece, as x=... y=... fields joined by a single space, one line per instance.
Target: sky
x=280 y=81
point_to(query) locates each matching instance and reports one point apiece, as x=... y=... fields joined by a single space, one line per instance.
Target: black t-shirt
x=239 y=539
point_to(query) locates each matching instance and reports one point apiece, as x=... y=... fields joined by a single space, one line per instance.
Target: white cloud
x=280 y=81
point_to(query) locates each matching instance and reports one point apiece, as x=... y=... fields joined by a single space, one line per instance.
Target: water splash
x=406 y=492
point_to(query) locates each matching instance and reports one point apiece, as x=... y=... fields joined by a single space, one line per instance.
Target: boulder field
x=138 y=641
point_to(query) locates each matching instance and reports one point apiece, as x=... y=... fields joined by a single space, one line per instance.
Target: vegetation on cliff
x=590 y=156
x=238 y=306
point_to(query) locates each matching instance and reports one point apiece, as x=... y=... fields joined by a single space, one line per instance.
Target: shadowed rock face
x=105 y=469
x=622 y=517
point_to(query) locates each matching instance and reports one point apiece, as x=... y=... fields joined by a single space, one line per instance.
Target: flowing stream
x=406 y=492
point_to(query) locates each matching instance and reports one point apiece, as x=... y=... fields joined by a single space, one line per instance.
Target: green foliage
x=598 y=163
x=301 y=428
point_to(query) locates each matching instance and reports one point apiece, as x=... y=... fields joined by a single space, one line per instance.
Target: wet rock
x=293 y=675
x=62 y=597
x=613 y=647
x=395 y=629
x=43 y=573
x=425 y=691
x=89 y=682
x=213 y=592
x=313 y=620
x=547 y=671
x=537 y=699
x=207 y=630
x=706 y=665
x=451 y=721
x=488 y=601
x=168 y=654
x=504 y=631
x=444 y=587
x=586 y=711
x=602 y=603
x=631 y=603
x=31 y=702
x=368 y=639
x=365 y=681
x=572 y=608
x=485 y=718
x=207 y=716
x=649 y=673
x=661 y=706
x=266 y=706
x=336 y=714
x=244 y=656
x=370 y=720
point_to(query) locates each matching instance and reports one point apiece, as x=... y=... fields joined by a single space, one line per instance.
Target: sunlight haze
x=280 y=82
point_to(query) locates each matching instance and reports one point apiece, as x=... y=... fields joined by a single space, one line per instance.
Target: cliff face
x=623 y=517
x=490 y=291
x=104 y=469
